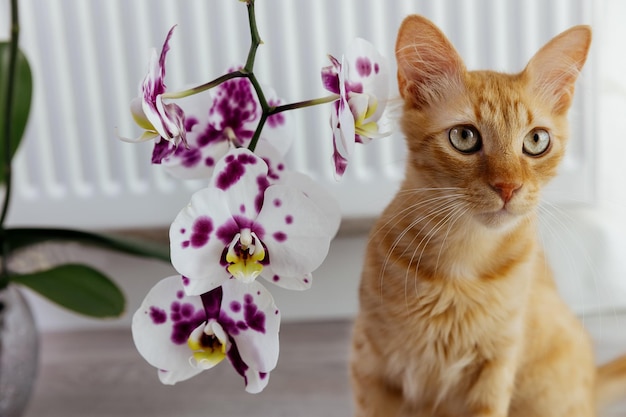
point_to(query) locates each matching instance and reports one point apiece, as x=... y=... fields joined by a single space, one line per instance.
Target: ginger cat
x=459 y=314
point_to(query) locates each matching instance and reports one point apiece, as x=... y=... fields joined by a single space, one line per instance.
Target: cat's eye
x=465 y=139
x=536 y=142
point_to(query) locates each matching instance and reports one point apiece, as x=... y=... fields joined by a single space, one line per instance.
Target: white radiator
x=89 y=56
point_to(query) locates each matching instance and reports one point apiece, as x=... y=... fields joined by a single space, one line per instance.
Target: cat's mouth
x=498 y=218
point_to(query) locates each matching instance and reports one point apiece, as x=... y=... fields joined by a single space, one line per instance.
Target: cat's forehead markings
x=492 y=104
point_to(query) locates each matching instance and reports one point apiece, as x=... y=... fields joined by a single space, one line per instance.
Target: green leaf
x=17 y=238
x=76 y=287
x=22 y=94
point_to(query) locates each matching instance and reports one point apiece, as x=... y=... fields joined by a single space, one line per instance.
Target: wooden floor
x=99 y=373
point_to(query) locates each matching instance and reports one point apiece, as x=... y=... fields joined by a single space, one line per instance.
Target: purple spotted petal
x=330 y=75
x=205 y=145
x=245 y=312
x=278 y=173
x=172 y=120
x=342 y=124
x=252 y=320
x=162 y=325
x=293 y=283
x=278 y=130
x=362 y=72
x=236 y=110
x=297 y=233
x=256 y=381
x=319 y=195
x=365 y=66
x=166 y=119
x=194 y=162
x=198 y=239
x=242 y=176
x=276 y=168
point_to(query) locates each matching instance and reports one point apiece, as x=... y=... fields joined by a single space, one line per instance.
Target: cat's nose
x=506 y=190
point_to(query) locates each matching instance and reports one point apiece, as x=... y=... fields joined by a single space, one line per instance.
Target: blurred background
x=88 y=58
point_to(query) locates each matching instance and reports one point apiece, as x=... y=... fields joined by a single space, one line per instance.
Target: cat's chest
x=445 y=335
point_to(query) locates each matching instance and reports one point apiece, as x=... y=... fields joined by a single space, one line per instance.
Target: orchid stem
x=305 y=103
x=248 y=72
x=255 y=41
x=255 y=38
x=206 y=86
x=8 y=113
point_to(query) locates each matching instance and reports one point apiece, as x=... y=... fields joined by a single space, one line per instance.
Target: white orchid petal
x=195 y=162
x=173 y=120
x=366 y=66
x=256 y=381
x=148 y=110
x=241 y=175
x=319 y=195
x=172 y=377
x=278 y=130
x=196 y=245
x=251 y=318
x=145 y=136
x=276 y=166
x=279 y=174
x=292 y=283
x=344 y=131
x=362 y=71
x=154 y=117
x=297 y=234
x=136 y=110
x=162 y=324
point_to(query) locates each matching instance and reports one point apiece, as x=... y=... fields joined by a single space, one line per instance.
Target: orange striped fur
x=459 y=314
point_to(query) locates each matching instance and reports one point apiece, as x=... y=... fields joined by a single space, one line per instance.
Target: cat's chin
x=500 y=219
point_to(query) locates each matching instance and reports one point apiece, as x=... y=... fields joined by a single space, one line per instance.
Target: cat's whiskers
x=447 y=212
x=450 y=225
x=440 y=204
x=433 y=207
x=560 y=216
x=407 y=211
x=456 y=212
x=411 y=209
x=562 y=244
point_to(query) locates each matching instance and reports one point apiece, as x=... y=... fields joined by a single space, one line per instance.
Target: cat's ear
x=553 y=71
x=428 y=65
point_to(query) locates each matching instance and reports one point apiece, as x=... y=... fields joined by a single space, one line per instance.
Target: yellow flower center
x=363 y=107
x=244 y=256
x=208 y=344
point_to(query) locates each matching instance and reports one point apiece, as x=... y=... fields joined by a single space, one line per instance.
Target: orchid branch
x=248 y=72
x=206 y=86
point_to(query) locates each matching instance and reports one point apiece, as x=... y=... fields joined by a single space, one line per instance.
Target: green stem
x=12 y=70
x=302 y=104
x=206 y=86
x=248 y=72
x=271 y=110
x=255 y=41
x=265 y=111
x=254 y=35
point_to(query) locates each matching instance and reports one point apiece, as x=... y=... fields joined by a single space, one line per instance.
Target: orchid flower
x=183 y=335
x=158 y=119
x=278 y=173
x=217 y=121
x=361 y=81
x=243 y=226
